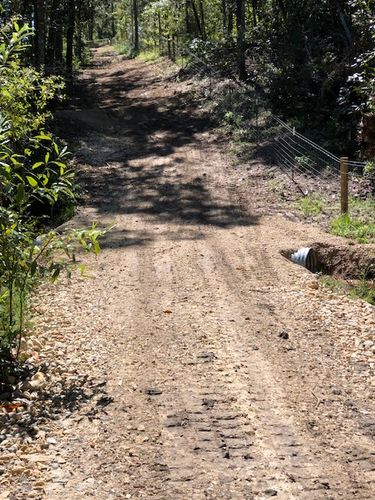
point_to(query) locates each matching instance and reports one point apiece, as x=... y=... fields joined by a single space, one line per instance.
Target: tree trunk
x=135 y=28
x=54 y=16
x=240 y=14
x=187 y=18
x=70 y=36
x=40 y=32
x=91 y=22
x=161 y=51
x=254 y=8
x=59 y=42
x=79 y=32
x=203 y=23
x=197 y=20
x=230 y=19
x=224 y=15
x=113 y=25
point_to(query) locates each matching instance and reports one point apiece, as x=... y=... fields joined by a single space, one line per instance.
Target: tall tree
x=135 y=18
x=241 y=60
x=71 y=24
x=40 y=38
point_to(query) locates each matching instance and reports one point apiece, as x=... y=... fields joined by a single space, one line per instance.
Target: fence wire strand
x=304 y=161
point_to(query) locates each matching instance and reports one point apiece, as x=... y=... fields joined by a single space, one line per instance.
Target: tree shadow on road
x=141 y=147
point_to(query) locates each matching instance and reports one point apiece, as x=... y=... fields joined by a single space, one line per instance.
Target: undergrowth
x=311 y=205
x=123 y=49
x=358 y=229
x=148 y=55
x=359 y=289
x=359 y=225
x=37 y=186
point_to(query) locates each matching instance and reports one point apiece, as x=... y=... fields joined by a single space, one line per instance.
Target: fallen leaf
x=167 y=311
x=12 y=406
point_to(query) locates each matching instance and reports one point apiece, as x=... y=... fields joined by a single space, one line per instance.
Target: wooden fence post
x=344 y=185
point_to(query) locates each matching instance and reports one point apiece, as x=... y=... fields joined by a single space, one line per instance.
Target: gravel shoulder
x=194 y=361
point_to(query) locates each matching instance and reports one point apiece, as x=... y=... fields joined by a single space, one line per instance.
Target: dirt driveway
x=230 y=373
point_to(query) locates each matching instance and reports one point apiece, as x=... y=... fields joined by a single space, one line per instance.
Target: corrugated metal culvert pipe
x=307 y=258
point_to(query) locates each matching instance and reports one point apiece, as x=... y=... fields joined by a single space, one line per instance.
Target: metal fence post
x=344 y=184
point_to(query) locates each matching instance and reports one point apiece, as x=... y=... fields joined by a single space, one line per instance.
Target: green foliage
x=359 y=289
x=311 y=205
x=369 y=169
x=354 y=228
x=39 y=173
x=277 y=185
x=303 y=162
x=369 y=174
x=34 y=178
x=24 y=92
x=24 y=259
x=148 y=56
x=123 y=49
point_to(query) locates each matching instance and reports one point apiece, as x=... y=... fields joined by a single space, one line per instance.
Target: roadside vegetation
x=37 y=189
x=358 y=226
x=359 y=289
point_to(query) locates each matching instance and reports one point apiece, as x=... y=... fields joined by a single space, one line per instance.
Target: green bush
x=25 y=93
x=34 y=177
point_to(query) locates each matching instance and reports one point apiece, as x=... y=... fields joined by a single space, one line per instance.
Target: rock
x=284 y=335
x=91 y=483
x=270 y=493
x=36 y=458
x=37 y=382
x=104 y=401
x=206 y=357
x=367 y=344
x=153 y=391
x=314 y=285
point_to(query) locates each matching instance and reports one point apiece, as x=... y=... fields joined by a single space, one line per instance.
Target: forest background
x=314 y=61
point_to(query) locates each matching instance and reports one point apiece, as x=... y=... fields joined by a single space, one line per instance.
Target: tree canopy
x=311 y=58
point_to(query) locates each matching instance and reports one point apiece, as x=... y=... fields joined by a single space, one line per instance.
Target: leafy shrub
x=26 y=257
x=219 y=55
x=359 y=289
x=24 y=92
x=34 y=177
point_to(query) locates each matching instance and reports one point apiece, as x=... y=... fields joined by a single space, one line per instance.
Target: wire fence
x=308 y=167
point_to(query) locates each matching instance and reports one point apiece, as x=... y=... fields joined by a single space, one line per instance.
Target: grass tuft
x=311 y=205
x=148 y=56
x=360 y=289
x=123 y=49
x=354 y=228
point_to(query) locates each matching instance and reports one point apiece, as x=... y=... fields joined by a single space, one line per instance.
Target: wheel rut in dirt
x=208 y=403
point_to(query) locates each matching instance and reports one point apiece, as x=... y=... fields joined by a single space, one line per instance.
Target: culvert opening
x=348 y=262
